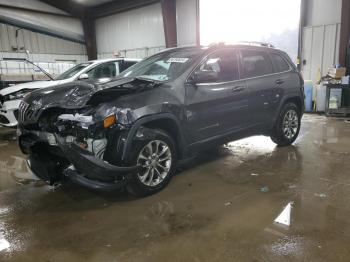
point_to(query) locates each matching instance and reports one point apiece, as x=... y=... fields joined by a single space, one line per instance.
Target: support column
x=90 y=37
x=169 y=22
x=344 y=32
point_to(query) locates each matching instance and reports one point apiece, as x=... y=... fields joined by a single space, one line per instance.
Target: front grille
x=23 y=108
x=4 y=120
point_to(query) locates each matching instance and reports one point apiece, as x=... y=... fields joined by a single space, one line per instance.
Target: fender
x=283 y=101
x=146 y=119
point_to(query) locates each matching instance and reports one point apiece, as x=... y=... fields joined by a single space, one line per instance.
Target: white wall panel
x=320 y=49
x=53 y=54
x=140 y=30
x=186 y=13
x=36 y=43
x=323 y=12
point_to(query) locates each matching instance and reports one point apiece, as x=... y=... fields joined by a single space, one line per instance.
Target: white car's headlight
x=18 y=95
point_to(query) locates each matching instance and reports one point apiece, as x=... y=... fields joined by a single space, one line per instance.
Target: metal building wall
x=136 y=33
x=320 y=45
x=186 y=14
x=43 y=49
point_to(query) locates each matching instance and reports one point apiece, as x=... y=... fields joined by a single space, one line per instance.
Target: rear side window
x=279 y=63
x=255 y=63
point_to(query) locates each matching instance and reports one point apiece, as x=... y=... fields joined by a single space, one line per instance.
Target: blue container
x=308 y=95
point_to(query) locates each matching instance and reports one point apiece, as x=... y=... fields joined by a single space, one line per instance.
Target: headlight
x=18 y=95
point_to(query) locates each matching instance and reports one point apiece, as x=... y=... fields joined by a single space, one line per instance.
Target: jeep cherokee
x=133 y=130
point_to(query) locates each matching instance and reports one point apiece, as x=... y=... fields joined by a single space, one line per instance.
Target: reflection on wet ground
x=228 y=205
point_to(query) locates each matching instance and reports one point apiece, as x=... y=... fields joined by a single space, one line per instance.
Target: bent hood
x=78 y=94
x=30 y=85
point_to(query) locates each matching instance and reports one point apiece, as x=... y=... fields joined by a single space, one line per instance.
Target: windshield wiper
x=146 y=79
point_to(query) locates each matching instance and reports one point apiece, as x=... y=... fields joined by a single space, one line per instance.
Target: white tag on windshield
x=177 y=60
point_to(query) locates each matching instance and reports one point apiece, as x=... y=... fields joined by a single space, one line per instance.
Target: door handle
x=279 y=81
x=238 y=88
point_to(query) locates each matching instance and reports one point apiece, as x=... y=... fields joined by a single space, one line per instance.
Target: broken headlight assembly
x=18 y=95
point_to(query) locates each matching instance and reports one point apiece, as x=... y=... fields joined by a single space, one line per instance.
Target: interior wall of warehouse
x=320 y=39
x=139 y=33
x=43 y=49
x=52 y=53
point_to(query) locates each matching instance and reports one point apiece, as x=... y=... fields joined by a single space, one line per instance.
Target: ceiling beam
x=68 y=6
x=18 y=8
x=119 y=6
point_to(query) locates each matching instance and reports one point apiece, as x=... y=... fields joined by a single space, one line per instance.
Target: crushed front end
x=80 y=142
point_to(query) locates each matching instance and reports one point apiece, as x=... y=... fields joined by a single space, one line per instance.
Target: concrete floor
x=221 y=208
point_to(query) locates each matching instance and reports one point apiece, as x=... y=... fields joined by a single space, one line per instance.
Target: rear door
x=258 y=72
x=213 y=108
x=283 y=79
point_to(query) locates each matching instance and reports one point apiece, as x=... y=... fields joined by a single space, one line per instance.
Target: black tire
x=135 y=186
x=278 y=135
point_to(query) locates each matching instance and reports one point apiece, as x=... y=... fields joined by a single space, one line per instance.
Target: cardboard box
x=337 y=72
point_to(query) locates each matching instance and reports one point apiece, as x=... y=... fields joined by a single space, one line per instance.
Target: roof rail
x=256 y=43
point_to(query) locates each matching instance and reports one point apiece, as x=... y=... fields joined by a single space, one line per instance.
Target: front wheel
x=156 y=159
x=287 y=126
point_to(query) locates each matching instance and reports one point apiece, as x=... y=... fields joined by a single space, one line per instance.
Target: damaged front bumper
x=81 y=166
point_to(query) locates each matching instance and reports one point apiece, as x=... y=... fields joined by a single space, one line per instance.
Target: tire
x=143 y=183
x=285 y=131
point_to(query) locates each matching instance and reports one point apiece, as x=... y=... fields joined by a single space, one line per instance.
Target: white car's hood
x=30 y=85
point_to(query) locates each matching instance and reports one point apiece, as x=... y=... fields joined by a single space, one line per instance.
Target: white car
x=11 y=97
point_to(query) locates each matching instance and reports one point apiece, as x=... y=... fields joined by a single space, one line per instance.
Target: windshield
x=72 y=71
x=163 y=66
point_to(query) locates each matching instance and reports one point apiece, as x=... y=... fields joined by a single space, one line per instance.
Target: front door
x=216 y=107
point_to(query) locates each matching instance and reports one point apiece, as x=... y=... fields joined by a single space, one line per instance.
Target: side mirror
x=83 y=77
x=204 y=76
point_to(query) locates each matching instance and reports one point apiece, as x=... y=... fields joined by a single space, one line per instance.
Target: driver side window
x=224 y=63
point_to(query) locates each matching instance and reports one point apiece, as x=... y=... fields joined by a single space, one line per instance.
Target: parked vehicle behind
x=102 y=69
x=134 y=130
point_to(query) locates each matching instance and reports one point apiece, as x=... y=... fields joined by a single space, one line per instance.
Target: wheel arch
x=165 y=121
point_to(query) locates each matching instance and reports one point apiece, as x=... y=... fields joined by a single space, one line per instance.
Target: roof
x=114 y=59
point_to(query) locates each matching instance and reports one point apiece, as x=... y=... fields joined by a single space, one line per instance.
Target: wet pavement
x=222 y=207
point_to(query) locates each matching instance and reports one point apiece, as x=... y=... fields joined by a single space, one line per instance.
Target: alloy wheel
x=154 y=161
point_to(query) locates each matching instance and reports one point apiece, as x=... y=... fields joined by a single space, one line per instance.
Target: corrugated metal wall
x=320 y=46
x=136 y=33
x=43 y=49
x=320 y=49
x=186 y=13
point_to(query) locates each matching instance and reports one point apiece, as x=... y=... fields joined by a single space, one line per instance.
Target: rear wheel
x=287 y=126
x=156 y=159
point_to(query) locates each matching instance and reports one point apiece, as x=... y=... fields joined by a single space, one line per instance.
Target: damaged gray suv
x=133 y=131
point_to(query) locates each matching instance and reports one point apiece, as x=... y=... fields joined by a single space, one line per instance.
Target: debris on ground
x=284 y=217
x=229 y=203
x=264 y=189
x=253 y=174
x=322 y=195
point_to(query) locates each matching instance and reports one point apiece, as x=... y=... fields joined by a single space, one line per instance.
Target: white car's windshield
x=164 y=66
x=72 y=71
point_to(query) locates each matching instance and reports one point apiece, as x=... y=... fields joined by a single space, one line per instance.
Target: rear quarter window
x=255 y=63
x=279 y=63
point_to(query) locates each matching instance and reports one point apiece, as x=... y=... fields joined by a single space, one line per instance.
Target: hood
x=30 y=85
x=78 y=94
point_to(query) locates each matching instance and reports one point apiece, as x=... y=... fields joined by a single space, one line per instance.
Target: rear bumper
x=79 y=165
